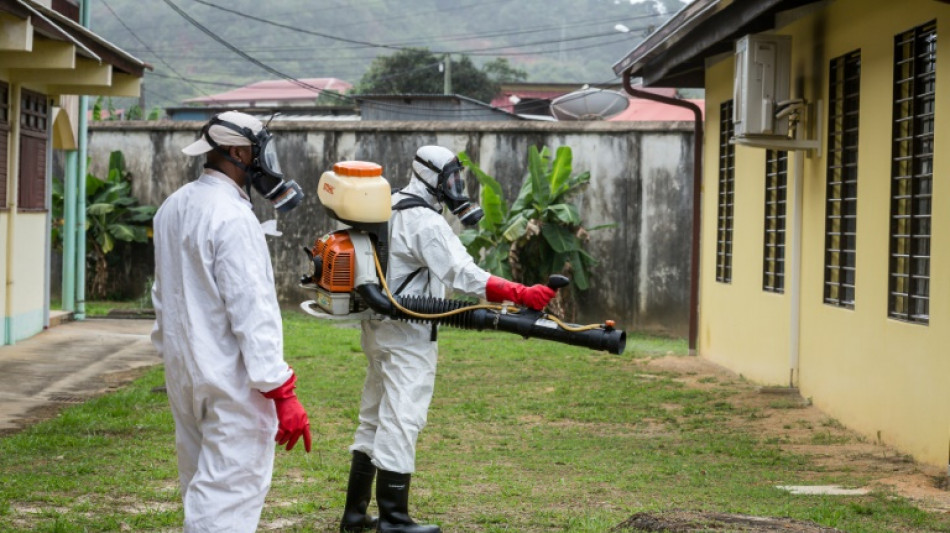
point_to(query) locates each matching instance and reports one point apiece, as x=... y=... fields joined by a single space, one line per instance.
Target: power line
x=292 y=28
x=371 y=44
x=273 y=70
x=482 y=51
x=334 y=51
x=193 y=80
x=417 y=69
x=553 y=51
x=237 y=50
x=147 y=47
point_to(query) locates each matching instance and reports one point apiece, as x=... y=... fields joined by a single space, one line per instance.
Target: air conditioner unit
x=762 y=79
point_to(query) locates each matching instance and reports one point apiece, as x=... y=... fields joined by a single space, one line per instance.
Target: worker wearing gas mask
x=218 y=328
x=425 y=257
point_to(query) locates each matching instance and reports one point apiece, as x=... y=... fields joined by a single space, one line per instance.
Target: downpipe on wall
x=697 y=198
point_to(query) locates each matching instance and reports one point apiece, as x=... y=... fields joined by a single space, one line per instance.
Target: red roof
x=641 y=109
x=276 y=90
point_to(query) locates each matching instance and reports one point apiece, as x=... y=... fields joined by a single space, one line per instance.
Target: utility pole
x=142 y=101
x=447 y=75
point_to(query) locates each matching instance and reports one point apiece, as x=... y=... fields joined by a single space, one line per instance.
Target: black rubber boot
x=392 y=497
x=359 y=490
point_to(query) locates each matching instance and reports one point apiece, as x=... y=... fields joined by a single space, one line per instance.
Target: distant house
x=290 y=101
x=275 y=93
x=824 y=256
x=443 y=107
x=278 y=114
x=524 y=98
x=46 y=57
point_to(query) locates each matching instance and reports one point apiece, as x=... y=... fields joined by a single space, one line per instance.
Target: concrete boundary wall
x=641 y=181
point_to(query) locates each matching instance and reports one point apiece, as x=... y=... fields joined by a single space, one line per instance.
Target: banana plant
x=541 y=233
x=112 y=214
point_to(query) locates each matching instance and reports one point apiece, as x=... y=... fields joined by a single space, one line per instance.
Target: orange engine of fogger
x=337 y=258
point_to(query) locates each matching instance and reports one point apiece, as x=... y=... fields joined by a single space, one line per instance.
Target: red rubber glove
x=292 y=421
x=535 y=296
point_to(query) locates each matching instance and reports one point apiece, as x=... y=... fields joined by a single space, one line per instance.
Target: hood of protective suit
x=438 y=156
x=418 y=188
x=441 y=173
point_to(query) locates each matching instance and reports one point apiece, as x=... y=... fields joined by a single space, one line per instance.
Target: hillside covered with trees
x=203 y=47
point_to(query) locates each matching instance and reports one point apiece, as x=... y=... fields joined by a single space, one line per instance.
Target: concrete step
x=57 y=317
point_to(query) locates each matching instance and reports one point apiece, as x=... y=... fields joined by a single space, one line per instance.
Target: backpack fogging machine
x=347 y=272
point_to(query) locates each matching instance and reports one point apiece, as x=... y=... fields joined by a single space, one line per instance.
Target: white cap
x=225 y=136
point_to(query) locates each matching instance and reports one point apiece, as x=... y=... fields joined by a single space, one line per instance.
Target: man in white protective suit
x=425 y=257
x=218 y=328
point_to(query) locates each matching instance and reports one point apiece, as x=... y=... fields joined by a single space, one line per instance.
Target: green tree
x=542 y=232
x=135 y=113
x=331 y=98
x=417 y=71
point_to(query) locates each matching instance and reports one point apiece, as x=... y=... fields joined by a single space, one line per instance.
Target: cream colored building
x=826 y=265
x=46 y=58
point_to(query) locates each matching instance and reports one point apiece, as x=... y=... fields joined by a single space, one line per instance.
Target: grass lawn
x=522 y=436
x=99 y=308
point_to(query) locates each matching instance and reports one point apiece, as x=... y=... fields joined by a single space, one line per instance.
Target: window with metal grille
x=841 y=183
x=34 y=117
x=727 y=167
x=915 y=61
x=4 y=139
x=776 y=186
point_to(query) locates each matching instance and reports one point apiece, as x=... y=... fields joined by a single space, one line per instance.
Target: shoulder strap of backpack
x=412 y=201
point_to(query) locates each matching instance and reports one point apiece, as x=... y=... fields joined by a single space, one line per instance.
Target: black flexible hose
x=527 y=323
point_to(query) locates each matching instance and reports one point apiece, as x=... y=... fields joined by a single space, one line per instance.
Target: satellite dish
x=589 y=104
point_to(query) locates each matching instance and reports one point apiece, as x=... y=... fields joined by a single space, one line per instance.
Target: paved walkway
x=69 y=363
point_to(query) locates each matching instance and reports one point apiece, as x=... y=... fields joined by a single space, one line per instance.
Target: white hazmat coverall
x=218 y=329
x=401 y=357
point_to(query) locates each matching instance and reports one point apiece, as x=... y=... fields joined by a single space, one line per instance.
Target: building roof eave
x=674 y=55
x=89 y=44
x=670 y=32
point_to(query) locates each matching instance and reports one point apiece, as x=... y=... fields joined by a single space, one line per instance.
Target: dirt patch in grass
x=689 y=521
x=783 y=417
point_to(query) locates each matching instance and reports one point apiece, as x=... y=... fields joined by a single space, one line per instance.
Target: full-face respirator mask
x=450 y=190
x=264 y=171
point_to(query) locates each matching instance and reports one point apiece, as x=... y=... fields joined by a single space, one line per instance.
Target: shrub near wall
x=641 y=180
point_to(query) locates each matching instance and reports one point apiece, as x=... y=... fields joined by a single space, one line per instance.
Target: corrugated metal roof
x=427 y=107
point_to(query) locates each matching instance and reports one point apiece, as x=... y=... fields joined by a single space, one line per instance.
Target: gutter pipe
x=48 y=204
x=69 y=231
x=81 y=191
x=697 y=187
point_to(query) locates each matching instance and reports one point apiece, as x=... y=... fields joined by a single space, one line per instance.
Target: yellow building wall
x=26 y=317
x=741 y=326
x=882 y=377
